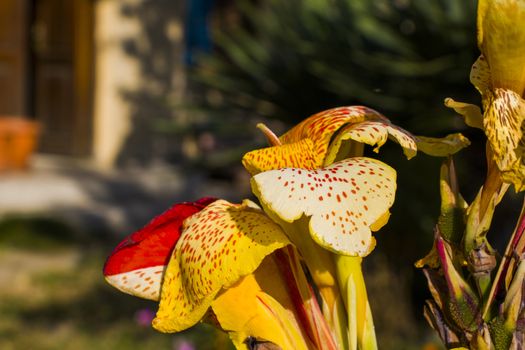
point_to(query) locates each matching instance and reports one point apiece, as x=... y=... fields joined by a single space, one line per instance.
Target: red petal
x=152 y=245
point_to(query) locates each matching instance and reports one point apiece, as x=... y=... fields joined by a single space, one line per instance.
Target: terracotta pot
x=18 y=139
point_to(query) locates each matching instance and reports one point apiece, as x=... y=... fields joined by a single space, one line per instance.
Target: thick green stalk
x=480 y=212
x=361 y=331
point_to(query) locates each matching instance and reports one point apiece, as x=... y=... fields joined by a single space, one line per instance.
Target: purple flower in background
x=183 y=345
x=143 y=317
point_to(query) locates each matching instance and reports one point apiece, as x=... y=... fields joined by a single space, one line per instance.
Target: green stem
x=361 y=332
x=480 y=212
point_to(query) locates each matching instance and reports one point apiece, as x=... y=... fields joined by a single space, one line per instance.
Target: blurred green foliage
x=290 y=59
x=53 y=295
x=19 y=232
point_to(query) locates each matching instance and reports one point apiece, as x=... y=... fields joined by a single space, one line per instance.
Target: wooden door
x=13 y=57
x=62 y=81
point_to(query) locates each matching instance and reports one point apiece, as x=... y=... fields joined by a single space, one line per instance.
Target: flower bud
x=462 y=304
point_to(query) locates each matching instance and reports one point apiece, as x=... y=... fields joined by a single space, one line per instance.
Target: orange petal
x=300 y=154
x=321 y=126
x=306 y=145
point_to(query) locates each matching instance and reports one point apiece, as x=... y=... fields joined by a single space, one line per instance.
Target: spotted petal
x=300 y=154
x=305 y=145
x=218 y=246
x=137 y=264
x=321 y=126
x=504 y=128
x=344 y=201
x=373 y=133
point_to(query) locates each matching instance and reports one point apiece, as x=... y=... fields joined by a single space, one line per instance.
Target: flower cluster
x=286 y=271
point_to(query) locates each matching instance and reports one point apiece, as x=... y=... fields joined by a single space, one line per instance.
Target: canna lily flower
x=339 y=133
x=344 y=202
x=136 y=266
x=306 y=145
x=499 y=76
x=329 y=136
x=335 y=205
x=229 y=265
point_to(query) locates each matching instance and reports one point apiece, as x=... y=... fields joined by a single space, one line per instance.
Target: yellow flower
x=336 y=206
x=231 y=266
x=314 y=182
x=339 y=133
x=499 y=76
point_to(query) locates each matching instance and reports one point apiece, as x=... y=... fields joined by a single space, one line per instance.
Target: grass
x=53 y=296
x=35 y=233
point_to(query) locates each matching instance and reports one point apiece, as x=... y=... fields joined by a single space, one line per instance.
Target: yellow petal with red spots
x=300 y=154
x=501 y=38
x=343 y=200
x=219 y=245
x=470 y=112
x=503 y=122
x=305 y=145
x=259 y=306
x=480 y=75
x=373 y=133
x=321 y=127
x=442 y=146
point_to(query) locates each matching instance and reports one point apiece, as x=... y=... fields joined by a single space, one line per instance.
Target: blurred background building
x=87 y=82
x=77 y=66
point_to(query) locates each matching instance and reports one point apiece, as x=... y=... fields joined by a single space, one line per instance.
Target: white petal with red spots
x=373 y=133
x=143 y=283
x=343 y=200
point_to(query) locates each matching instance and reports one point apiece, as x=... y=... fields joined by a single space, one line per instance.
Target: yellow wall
x=118 y=72
x=114 y=71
